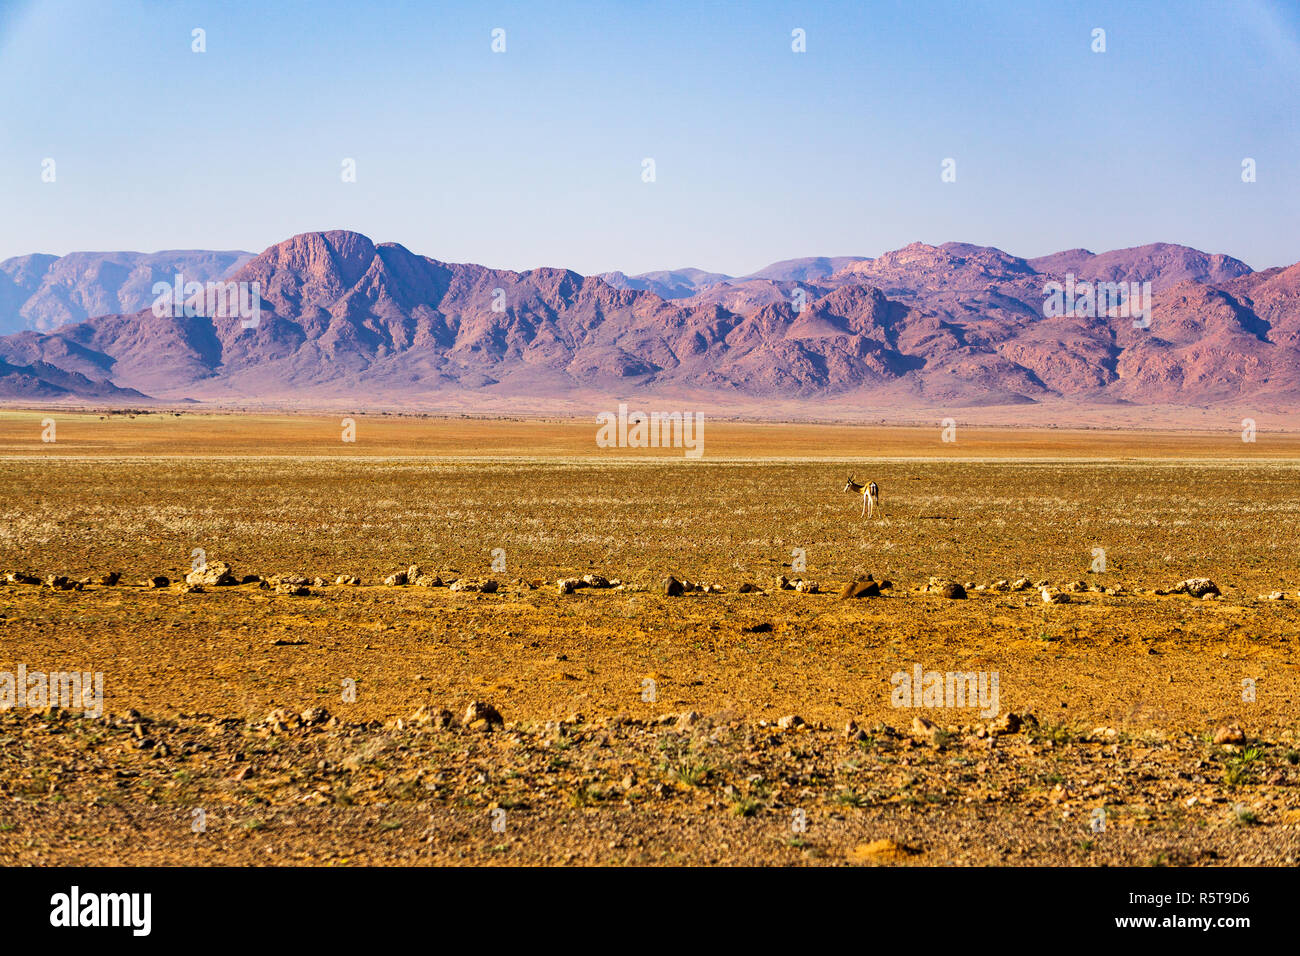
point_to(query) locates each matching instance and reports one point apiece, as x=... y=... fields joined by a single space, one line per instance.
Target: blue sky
x=534 y=156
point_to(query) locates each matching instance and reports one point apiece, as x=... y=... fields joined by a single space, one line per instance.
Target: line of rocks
x=220 y=574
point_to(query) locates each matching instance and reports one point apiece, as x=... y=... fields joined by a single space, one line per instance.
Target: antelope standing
x=870 y=495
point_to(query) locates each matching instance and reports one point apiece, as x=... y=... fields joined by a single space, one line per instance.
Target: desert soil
x=640 y=727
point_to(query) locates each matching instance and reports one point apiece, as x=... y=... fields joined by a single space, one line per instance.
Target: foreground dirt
x=1122 y=692
x=622 y=790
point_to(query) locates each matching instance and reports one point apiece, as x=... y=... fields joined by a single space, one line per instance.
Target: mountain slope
x=43 y=292
x=956 y=324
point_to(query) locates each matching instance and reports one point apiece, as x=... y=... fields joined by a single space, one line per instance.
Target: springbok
x=870 y=495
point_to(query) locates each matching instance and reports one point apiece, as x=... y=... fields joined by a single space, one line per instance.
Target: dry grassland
x=1122 y=693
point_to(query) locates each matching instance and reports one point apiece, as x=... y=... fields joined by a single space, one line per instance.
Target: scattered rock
x=595 y=581
x=672 y=587
x=213 y=574
x=488 y=586
x=1021 y=584
x=157 y=581
x=569 y=585
x=945 y=588
x=1196 y=587
x=783 y=583
x=860 y=588
x=1053 y=596
x=297 y=590
x=313 y=716
x=790 y=722
x=747 y=588
x=926 y=730
x=347 y=579
x=431 y=717
x=1006 y=724
x=1230 y=734
x=807 y=587
x=108 y=580
x=19 y=577
x=282 y=719
x=478 y=710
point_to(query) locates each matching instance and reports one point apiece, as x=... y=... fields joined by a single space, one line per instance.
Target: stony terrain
x=318 y=720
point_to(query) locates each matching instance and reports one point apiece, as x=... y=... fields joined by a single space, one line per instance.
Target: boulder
x=945 y=588
x=1230 y=734
x=427 y=716
x=862 y=587
x=479 y=710
x=1196 y=587
x=213 y=574
x=314 y=715
x=1006 y=724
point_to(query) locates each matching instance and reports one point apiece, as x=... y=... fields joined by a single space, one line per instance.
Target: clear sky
x=534 y=156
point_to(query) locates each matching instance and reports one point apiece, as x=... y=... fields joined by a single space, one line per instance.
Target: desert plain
x=325 y=723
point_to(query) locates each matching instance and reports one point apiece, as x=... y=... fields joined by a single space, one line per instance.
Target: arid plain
x=245 y=723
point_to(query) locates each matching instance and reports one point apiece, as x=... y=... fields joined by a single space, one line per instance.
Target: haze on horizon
x=534 y=156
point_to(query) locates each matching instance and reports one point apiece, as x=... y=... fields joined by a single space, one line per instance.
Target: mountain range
x=345 y=320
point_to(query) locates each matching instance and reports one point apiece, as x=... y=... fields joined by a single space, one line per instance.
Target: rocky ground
x=635 y=784
x=666 y=669
x=675 y=789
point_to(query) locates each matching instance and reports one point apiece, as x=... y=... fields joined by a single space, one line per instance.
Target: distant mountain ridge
x=43 y=292
x=958 y=324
